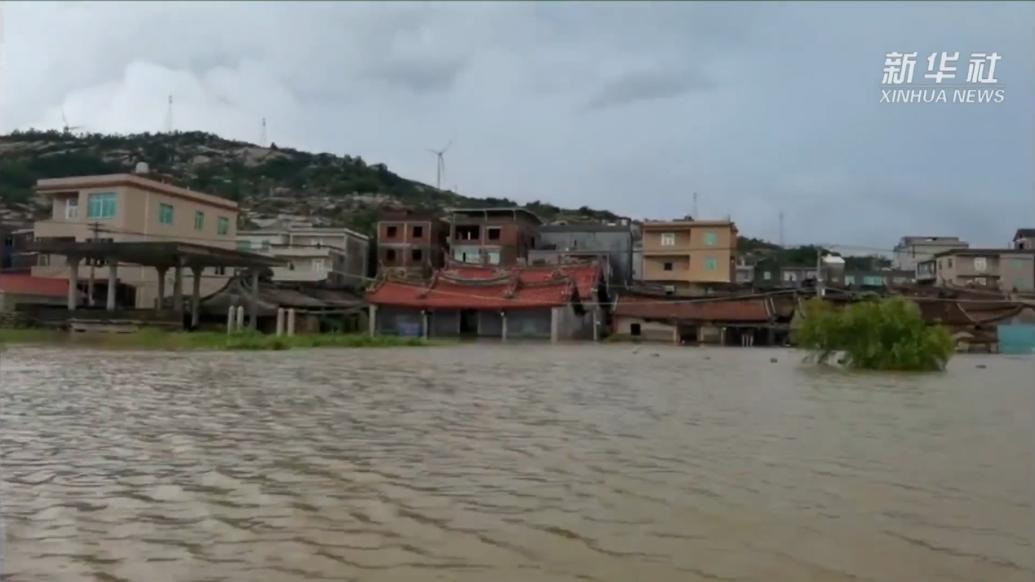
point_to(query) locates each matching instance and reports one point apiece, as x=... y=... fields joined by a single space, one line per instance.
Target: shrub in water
x=886 y=334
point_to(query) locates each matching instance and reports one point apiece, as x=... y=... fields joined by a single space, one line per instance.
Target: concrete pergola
x=162 y=255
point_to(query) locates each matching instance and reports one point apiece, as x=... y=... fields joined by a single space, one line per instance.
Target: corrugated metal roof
x=740 y=310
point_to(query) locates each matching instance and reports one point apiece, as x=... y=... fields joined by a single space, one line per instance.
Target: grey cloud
x=645 y=85
x=759 y=107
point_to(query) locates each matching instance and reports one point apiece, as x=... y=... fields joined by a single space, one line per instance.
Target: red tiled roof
x=747 y=309
x=472 y=287
x=29 y=285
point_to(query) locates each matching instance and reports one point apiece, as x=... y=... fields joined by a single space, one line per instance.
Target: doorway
x=468 y=322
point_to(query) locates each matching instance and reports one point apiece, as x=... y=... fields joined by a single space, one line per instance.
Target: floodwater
x=518 y=463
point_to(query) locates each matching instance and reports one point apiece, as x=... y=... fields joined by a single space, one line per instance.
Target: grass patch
x=203 y=340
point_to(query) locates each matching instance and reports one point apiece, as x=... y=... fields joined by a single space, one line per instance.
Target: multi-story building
x=912 y=249
x=1024 y=239
x=131 y=208
x=331 y=256
x=609 y=244
x=689 y=255
x=410 y=244
x=1002 y=269
x=491 y=236
x=14 y=253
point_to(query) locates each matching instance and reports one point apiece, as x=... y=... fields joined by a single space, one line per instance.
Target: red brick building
x=491 y=236
x=410 y=244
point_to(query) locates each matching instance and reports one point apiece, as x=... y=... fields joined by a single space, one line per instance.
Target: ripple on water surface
x=518 y=463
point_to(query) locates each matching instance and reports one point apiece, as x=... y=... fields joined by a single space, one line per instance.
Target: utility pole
x=696 y=217
x=262 y=139
x=781 y=229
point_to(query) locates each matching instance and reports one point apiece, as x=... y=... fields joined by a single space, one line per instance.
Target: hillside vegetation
x=334 y=190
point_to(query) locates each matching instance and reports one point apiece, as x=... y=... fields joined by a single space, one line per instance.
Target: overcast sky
x=759 y=107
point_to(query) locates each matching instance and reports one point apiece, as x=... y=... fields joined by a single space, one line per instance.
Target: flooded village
x=614 y=419
x=129 y=251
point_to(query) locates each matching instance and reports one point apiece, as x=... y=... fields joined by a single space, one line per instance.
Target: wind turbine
x=67 y=129
x=440 y=167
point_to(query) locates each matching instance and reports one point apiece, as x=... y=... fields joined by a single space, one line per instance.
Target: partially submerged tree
x=886 y=334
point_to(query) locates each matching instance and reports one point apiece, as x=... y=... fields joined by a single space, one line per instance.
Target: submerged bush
x=887 y=334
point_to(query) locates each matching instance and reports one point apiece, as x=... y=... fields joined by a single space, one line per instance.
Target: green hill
x=333 y=190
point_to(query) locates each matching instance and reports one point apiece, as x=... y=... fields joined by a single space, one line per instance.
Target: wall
x=528 y=323
x=649 y=330
x=617 y=244
x=490 y=324
x=9 y=300
x=445 y=324
x=569 y=325
x=396 y=321
x=1017 y=272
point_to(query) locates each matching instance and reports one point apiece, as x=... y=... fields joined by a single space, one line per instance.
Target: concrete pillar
x=372 y=323
x=280 y=321
x=503 y=325
x=424 y=324
x=253 y=301
x=113 y=279
x=291 y=322
x=73 y=283
x=90 y=283
x=555 y=324
x=596 y=323
x=230 y=319
x=161 y=287
x=195 y=296
x=239 y=318
x=178 y=289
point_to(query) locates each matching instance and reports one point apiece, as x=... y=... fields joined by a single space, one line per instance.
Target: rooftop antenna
x=440 y=167
x=65 y=128
x=696 y=217
x=262 y=140
x=169 y=116
x=781 y=229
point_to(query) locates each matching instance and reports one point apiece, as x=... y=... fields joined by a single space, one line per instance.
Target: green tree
x=886 y=334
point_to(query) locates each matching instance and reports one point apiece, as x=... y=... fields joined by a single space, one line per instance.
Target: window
x=950 y=263
x=668 y=266
x=390 y=256
x=244 y=245
x=223 y=225
x=710 y=239
x=634 y=330
x=494 y=257
x=710 y=265
x=100 y=205
x=219 y=270
x=72 y=208
x=980 y=264
x=849 y=279
x=416 y=255
x=468 y=232
x=199 y=220
x=319 y=265
x=494 y=232
x=1017 y=263
x=873 y=280
x=1018 y=284
x=165 y=214
x=790 y=276
x=668 y=239
x=418 y=231
x=767 y=275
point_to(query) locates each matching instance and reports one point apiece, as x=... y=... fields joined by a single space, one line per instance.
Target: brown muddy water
x=475 y=463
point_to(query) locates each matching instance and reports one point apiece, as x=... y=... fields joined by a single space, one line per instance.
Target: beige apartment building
x=1009 y=270
x=132 y=208
x=331 y=256
x=689 y=255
